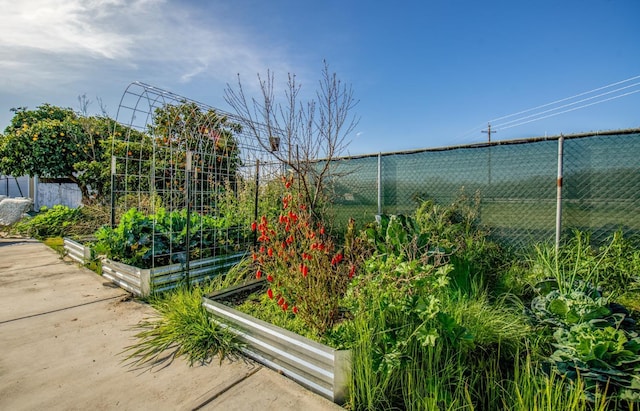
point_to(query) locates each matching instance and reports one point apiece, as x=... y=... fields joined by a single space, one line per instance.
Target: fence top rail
x=494 y=143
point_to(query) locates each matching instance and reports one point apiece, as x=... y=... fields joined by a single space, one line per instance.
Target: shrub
x=307 y=271
x=422 y=341
x=49 y=222
x=456 y=229
x=61 y=220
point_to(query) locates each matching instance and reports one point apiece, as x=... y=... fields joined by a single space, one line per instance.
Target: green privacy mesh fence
x=515 y=181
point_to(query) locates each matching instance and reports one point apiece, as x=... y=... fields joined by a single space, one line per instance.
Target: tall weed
x=533 y=389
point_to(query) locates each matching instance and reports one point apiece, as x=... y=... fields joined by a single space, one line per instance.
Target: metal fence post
x=255 y=201
x=187 y=189
x=113 y=191
x=559 y=192
x=379 y=183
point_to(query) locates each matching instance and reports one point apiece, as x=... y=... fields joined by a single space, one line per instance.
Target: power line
x=565 y=99
x=571 y=104
x=536 y=116
x=573 y=109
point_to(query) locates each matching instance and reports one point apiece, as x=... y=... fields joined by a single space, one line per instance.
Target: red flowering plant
x=306 y=271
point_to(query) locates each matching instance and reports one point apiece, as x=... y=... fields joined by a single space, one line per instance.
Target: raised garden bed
x=320 y=368
x=77 y=251
x=144 y=281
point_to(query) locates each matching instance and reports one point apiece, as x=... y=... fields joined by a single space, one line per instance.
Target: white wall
x=50 y=194
x=42 y=194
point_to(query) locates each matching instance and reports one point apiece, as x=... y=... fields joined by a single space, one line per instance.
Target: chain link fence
x=516 y=183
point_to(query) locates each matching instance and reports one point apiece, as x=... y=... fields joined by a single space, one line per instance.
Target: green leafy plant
x=399 y=321
x=161 y=238
x=567 y=306
x=595 y=342
x=604 y=357
x=49 y=222
x=399 y=236
x=456 y=229
x=423 y=341
x=60 y=220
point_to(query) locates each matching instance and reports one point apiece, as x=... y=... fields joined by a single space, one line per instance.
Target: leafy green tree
x=209 y=136
x=54 y=142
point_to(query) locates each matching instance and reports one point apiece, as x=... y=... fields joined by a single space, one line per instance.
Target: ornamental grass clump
x=306 y=270
x=181 y=328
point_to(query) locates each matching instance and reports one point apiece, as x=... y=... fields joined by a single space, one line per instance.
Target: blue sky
x=426 y=73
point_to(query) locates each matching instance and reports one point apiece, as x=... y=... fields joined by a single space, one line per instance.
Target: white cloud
x=52 y=44
x=65 y=27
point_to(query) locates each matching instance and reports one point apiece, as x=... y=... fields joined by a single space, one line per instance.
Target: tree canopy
x=57 y=143
x=54 y=142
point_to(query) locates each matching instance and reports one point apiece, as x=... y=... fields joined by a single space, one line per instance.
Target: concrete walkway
x=62 y=329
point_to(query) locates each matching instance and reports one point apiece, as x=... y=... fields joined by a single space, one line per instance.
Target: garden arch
x=186 y=176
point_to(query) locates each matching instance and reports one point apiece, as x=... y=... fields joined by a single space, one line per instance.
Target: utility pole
x=489 y=131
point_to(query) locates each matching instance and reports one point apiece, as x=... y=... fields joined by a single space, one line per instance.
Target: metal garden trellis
x=174 y=157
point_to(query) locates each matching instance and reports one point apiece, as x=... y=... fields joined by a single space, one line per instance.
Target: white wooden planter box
x=144 y=281
x=320 y=368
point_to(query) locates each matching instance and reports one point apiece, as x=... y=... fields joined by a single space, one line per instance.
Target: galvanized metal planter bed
x=144 y=281
x=77 y=251
x=317 y=367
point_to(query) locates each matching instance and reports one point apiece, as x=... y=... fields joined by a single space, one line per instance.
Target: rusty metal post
x=559 y=192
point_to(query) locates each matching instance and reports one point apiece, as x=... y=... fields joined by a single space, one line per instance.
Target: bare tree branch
x=311 y=134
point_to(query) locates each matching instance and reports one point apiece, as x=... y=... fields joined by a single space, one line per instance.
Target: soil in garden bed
x=236 y=296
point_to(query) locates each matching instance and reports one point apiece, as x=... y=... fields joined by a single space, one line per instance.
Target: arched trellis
x=189 y=171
